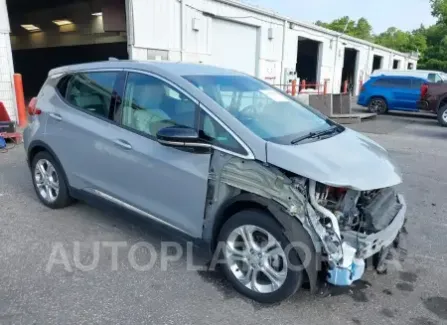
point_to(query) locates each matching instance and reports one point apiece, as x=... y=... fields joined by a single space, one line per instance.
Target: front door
x=167 y=184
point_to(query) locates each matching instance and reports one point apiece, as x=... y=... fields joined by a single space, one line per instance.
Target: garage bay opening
x=308 y=61
x=377 y=62
x=349 y=72
x=53 y=33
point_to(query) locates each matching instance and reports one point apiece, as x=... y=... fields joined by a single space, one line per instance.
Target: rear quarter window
x=393 y=82
x=91 y=91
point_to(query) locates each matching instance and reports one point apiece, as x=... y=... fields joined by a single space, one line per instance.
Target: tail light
x=424 y=90
x=32 y=108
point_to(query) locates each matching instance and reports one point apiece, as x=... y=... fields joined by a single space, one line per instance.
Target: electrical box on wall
x=195 y=24
x=270 y=33
x=289 y=75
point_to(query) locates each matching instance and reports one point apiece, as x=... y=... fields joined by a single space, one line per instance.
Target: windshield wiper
x=312 y=135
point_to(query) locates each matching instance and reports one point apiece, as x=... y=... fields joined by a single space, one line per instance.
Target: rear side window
x=393 y=82
x=91 y=91
x=417 y=83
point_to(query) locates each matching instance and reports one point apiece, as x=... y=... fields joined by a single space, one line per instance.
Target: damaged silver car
x=277 y=191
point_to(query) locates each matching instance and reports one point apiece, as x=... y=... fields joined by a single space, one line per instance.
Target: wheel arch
x=291 y=226
x=442 y=101
x=380 y=97
x=37 y=146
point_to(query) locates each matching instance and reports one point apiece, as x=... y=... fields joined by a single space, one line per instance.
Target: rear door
x=401 y=88
x=79 y=125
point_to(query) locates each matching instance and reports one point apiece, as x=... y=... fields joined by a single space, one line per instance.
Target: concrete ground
x=29 y=232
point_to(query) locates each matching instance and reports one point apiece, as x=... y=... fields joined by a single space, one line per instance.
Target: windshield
x=264 y=110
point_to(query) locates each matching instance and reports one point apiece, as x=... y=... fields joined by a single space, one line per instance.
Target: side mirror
x=180 y=136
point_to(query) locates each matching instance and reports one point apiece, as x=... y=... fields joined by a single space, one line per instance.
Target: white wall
x=163 y=30
x=157 y=26
x=4 y=21
x=7 y=94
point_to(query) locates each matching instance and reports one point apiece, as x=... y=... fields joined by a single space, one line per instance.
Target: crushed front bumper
x=368 y=245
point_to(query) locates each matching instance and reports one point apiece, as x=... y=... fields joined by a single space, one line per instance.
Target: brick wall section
x=7 y=95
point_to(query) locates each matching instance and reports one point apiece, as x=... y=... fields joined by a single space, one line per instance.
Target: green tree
x=399 y=40
x=439 y=10
x=360 y=28
x=430 y=42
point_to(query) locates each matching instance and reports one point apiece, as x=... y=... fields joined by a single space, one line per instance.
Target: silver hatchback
x=280 y=192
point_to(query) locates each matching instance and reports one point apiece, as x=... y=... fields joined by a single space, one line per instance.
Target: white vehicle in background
x=429 y=75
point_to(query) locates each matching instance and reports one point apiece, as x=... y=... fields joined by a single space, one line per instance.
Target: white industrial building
x=38 y=36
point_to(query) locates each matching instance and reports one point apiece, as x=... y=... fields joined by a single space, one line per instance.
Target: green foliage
x=360 y=28
x=430 y=42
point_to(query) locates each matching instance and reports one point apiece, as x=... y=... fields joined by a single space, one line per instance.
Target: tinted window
x=213 y=132
x=150 y=104
x=393 y=82
x=91 y=92
x=417 y=83
x=401 y=82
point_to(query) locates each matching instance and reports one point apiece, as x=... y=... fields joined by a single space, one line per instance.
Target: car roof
x=396 y=76
x=173 y=68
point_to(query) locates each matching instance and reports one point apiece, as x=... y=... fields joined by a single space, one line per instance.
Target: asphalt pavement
x=41 y=283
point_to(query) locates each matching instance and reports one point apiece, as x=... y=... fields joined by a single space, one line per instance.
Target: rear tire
x=442 y=115
x=276 y=270
x=378 y=105
x=49 y=181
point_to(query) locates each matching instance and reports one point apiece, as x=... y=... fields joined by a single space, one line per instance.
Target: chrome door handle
x=56 y=116
x=123 y=144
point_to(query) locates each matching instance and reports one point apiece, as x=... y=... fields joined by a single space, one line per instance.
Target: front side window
x=434 y=77
x=90 y=91
x=261 y=108
x=214 y=133
x=150 y=104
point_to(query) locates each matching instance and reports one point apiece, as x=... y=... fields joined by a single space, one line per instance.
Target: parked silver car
x=280 y=191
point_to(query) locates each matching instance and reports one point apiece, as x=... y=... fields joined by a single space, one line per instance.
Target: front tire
x=49 y=181
x=259 y=261
x=378 y=105
x=442 y=115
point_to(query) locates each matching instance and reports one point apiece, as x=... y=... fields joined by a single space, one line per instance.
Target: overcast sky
x=403 y=14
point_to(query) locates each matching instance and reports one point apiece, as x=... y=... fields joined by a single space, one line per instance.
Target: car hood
x=348 y=159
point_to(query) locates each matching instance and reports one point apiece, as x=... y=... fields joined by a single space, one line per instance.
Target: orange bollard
x=303 y=85
x=20 y=98
x=325 y=87
x=293 y=87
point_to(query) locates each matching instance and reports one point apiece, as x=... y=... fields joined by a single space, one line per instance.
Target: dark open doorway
x=54 y=33
x=349 y=70
x=377 y=62
x=34 y=64
x=308 y=60
x=396 y=64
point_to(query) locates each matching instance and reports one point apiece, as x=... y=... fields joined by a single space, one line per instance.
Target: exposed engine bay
x=354 y=226
x=347 y=226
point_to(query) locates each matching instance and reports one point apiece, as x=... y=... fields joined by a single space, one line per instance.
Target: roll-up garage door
x=234 y=46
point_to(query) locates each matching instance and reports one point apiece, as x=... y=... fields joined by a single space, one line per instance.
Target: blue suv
x=383 y=93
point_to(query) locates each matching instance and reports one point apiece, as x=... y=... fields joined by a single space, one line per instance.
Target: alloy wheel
x=46 y=180
x=444 y=116
x=256 y=259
